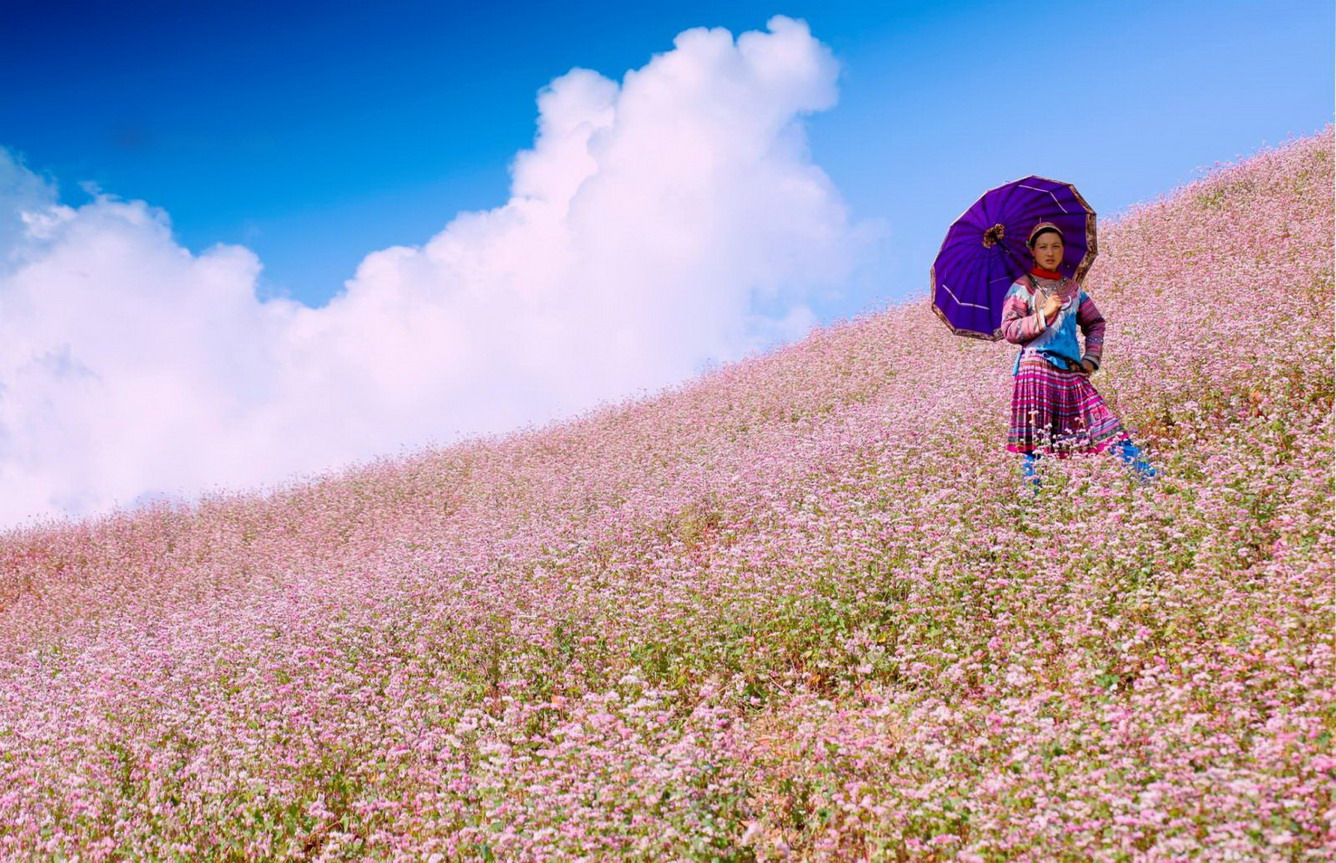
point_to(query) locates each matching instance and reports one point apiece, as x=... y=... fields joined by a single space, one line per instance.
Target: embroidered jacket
x=1053 y=340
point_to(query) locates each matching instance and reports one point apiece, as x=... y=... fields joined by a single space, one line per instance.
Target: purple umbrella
x=985 y=250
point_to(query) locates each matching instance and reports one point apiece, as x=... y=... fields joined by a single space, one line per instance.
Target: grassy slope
x=798 y=607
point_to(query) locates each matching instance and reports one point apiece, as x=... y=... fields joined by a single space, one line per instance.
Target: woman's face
x=1048 y=250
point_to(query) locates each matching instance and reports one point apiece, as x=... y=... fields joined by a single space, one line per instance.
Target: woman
x=1054 y=407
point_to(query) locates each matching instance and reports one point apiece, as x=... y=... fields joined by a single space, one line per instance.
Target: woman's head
x=1045 y=244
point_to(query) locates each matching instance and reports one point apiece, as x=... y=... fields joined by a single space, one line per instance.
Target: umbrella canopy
x=985 y=250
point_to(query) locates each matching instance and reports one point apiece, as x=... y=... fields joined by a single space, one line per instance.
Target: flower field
x=799 y=608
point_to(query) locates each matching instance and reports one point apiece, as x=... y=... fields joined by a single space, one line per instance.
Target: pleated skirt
x=1058 y=412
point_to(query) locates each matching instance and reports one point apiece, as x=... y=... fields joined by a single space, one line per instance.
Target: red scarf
x=1044 y=274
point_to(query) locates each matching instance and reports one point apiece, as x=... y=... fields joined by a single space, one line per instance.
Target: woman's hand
x=1052 y=302
x=1088 y=366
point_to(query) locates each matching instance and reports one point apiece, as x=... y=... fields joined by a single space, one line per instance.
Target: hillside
x=799 y=608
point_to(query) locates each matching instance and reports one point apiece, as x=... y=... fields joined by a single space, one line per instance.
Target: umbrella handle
x=1015 y=257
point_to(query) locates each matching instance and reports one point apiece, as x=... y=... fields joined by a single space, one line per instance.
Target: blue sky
x=314 y=133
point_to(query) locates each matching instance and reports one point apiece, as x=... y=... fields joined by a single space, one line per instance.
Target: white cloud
x=655 y=226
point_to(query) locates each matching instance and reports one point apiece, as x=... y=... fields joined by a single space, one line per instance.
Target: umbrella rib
x=958 y=300
x=1048 y=192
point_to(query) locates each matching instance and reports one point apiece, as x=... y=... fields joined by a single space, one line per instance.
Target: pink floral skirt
x=1059 y=412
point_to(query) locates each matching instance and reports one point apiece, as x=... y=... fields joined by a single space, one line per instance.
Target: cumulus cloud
x=656 y=225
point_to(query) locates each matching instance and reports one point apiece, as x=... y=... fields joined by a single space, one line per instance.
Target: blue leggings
x=1129 y=452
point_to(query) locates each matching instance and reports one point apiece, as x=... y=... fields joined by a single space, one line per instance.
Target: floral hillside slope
x=800 y=608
